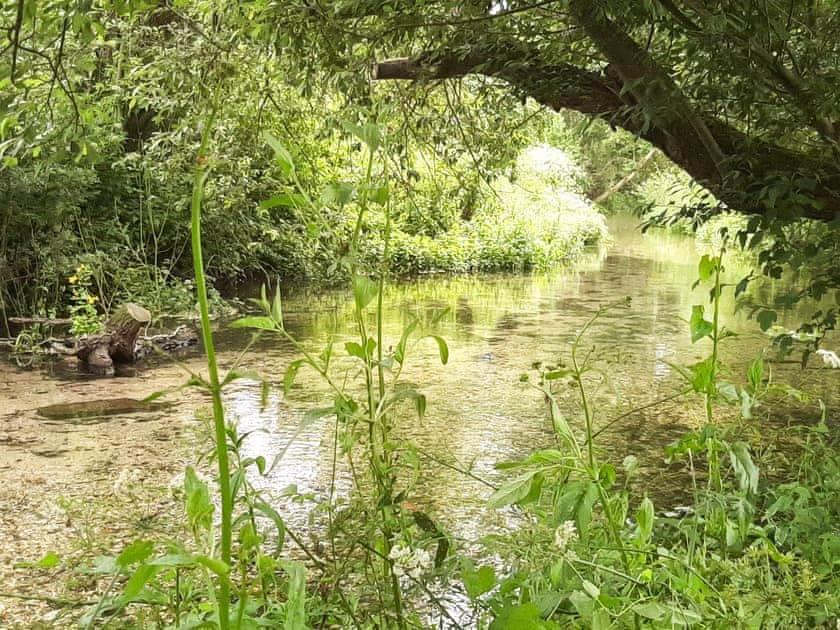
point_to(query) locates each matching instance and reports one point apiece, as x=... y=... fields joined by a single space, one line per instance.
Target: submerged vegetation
x=164 y=153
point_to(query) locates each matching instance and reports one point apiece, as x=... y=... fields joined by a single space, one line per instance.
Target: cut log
x=116 y=344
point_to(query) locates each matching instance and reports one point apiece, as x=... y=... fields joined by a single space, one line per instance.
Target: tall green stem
x=215 y=386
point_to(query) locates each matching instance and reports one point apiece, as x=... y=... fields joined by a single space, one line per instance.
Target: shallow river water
x=478 y=411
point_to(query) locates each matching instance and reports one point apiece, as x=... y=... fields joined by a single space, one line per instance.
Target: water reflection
x=478 y=412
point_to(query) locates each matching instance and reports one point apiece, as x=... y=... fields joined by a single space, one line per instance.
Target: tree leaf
x=766 y=318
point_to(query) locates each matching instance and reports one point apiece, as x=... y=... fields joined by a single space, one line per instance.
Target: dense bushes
x=534 y=219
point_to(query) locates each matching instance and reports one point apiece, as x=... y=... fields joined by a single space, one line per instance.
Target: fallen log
x=46 y=321
x=119 y=344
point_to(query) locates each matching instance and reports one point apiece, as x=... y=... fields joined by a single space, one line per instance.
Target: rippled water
x=478 y=413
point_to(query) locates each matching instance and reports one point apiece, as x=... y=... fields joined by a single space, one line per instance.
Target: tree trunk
x=116 y=344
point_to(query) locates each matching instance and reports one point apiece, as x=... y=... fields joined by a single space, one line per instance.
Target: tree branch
x=753 y=162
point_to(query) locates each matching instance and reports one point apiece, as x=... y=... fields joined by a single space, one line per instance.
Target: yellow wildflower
x=92 y=299
x=73 y=279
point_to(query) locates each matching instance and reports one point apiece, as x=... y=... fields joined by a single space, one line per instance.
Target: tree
x=744 y=98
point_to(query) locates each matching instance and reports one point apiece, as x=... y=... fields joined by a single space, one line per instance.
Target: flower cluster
x=830 y=358
x=565 y=534
x=408 y=561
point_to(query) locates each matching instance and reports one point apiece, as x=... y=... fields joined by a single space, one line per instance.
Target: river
x=478 y=413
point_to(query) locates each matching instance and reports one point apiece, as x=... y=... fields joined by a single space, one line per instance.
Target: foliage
x=584 y=558
x=86 y=318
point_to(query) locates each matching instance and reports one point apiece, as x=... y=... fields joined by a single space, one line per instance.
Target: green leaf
x=756 y=373
x=139 y=579
x=644 y=518
x=364 y=290
x=277 y=307
x=380 y=195
x=746 y=472
x=593 y=591
x=553 y=375
x=443 y=348
x=295 y=608
x=706 y=268
x=766 y=318
x=214 y=564
x=340 y=194
x=290 y=375
x=520 y=617
x=576 y=502
x=367 y=133
x=742 y=286
x=651 y=610
x=355 y=350
x=699 y=326
x=275 y=518
x=281 y=155
x=399 y=353
x=136 y=552
x=513 y=491
x=293 y=200
x=234 y=375
x=48 y=561
x=479 y=581
x=261 y=323
x=199 y=507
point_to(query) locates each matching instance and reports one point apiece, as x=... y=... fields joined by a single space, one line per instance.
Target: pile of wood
x=119 y=344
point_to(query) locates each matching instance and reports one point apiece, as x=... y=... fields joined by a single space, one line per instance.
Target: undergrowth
x=589 y=553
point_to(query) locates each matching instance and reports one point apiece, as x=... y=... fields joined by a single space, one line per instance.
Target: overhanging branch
x=751 y=162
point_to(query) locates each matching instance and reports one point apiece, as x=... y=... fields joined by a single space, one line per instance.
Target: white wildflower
x=830 y=358
x=408 y=561
x=125 y=480
x=565 y=534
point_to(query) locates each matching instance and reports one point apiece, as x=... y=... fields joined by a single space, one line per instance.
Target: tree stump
x=116 y=345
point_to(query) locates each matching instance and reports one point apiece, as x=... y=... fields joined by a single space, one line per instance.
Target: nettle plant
x=395 y=542
x=590 y=554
